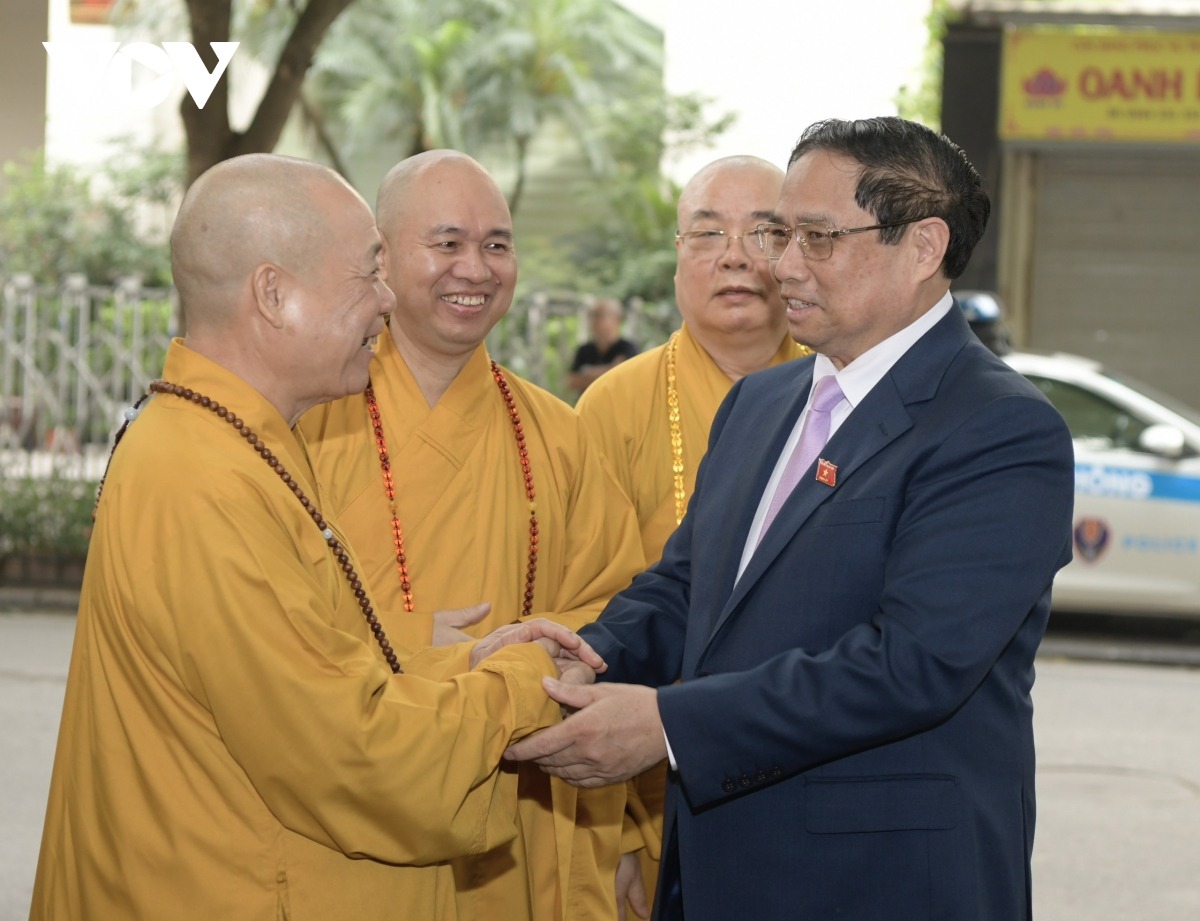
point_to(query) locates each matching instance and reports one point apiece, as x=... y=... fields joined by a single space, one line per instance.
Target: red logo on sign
x=1045 y=83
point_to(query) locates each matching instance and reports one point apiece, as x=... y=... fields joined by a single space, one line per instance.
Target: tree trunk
x=316 y=121
x=207 y=130
x=210 y=139
x=519 y=186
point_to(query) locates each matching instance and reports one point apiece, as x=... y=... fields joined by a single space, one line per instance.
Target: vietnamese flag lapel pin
x=826 y=472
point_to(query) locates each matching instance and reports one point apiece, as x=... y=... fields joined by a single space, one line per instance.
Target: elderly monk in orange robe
x=459 y=482
x=651 y=415
x=236 y=740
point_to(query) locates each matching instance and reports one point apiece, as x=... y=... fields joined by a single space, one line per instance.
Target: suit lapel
x=879 y=419
x=779 y=415
x=786 y=409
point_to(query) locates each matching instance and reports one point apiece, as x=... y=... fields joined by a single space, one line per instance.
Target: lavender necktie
x=813 y=436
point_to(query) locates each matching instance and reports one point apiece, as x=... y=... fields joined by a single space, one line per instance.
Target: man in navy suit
x=840 y=670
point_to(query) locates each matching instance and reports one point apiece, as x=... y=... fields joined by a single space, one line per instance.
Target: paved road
x=1118 y=834
x=34 y=651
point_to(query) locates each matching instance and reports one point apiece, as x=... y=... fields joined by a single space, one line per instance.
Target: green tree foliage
x=485 y=77
x=923 y=103
x=480 y=75
x=392 y=78
x=628 y=248
x=58 y=221
x=45 y=514
x=561 y=60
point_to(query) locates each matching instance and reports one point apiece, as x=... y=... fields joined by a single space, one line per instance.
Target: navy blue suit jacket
x=852 y=719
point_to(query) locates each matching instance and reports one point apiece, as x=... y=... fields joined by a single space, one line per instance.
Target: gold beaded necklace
x=389 y=489
x=676 y=433
x=339 y=551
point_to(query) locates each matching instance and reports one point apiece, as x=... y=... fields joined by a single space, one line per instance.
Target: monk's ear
x=268 y=282
x=931 y=237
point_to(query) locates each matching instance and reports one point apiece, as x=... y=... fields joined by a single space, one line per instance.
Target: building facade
x=1085 y=119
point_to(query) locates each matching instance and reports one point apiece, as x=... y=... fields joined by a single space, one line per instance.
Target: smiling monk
x=458 y=482
x=237 y=740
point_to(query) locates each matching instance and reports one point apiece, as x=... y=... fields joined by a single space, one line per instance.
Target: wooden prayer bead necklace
x=131 y=413
x=676 y=433
x=389 y=488
x=343 y=558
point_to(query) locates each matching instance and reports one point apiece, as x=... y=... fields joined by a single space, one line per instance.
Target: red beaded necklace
x=389 y=489
x=343 y=558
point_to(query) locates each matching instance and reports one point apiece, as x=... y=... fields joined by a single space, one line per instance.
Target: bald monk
x=236 y=741
x=458 y=482
x=651 y=415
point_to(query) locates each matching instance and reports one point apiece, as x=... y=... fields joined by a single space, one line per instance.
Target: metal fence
x=73 y=356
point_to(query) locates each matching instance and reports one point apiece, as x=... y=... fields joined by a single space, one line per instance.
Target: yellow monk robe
x=459 y=493
x=627 y=411
x=233 y=744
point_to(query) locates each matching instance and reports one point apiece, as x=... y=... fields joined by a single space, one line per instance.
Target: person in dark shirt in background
x=605 y=350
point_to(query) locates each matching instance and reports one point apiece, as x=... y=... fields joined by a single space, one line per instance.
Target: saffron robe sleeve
x=233 y=743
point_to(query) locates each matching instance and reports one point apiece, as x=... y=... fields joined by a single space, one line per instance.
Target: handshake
x=577 y=662
x=615 y=731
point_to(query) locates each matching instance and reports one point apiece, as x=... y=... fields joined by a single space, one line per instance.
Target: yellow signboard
x=1100 y=85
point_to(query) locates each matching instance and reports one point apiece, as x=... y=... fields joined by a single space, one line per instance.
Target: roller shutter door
x=1116 y=263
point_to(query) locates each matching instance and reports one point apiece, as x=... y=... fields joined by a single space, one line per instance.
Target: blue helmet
x=985 y=316
x=980 y=306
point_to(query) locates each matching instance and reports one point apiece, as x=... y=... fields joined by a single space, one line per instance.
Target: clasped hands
x=614 y=731
x=576 y=660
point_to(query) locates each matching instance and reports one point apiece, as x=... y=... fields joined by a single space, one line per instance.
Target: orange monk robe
x=459 y=496
x=627 y=411
x=233 y=744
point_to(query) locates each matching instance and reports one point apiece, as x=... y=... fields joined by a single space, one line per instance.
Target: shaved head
x=607 y=306
x=726 y=292
x=395 y=201
x=240 y=214
x=739 y=169
x=279 y=269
